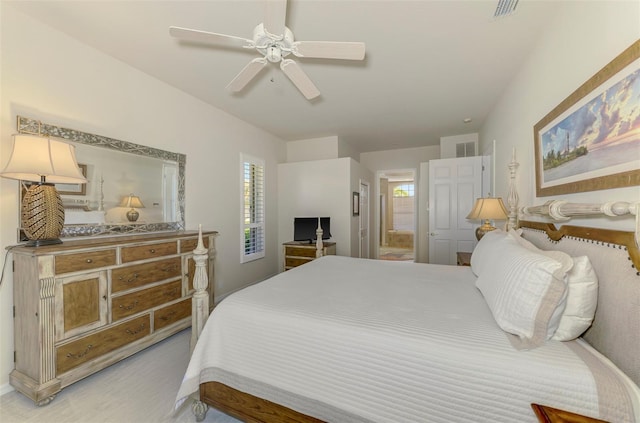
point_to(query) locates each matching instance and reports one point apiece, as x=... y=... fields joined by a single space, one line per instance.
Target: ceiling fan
x=275 y=42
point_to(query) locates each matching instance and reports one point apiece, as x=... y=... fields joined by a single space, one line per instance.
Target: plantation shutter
x=253 y=219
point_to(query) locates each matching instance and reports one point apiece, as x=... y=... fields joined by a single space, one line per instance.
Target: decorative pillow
x=522 y=288
x=582 y=300
x=567 y=263
x=481 y=256
x=582 y=295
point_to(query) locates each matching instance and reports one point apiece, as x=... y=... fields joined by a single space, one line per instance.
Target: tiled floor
x=396 y=254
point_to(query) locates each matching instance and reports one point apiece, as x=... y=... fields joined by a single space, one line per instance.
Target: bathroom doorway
x=397 y=215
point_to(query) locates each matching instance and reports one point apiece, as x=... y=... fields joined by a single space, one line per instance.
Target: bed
x=355 y=340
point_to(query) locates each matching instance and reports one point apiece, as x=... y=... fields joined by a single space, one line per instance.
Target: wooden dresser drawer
x=301 y=251
x=171 y=314
x=148 y=251
x=188 y=245
x=130 y=304
x=85 y=349
x=130 y=277
x=295 y=262
x=65 y=263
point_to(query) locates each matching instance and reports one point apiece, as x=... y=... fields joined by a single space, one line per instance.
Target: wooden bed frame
x=249 y=408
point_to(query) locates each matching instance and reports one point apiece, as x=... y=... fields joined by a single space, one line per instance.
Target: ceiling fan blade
x=247 y=74
x=209 y=37
x=275 y=16
x=299 y=79
x=329 y=50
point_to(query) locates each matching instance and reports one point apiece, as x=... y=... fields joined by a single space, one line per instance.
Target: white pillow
x=522 y=289
x=481 y=256
x=581 y=299
x=567 y=263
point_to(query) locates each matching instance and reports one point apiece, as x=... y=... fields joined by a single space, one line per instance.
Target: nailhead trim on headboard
x=606 y=237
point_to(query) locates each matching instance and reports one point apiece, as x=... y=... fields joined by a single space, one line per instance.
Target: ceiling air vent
x=505 y=8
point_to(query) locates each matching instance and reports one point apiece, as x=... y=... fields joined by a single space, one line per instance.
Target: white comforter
x=361 y=340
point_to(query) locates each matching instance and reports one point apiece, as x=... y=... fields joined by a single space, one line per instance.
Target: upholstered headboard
x=615 y=331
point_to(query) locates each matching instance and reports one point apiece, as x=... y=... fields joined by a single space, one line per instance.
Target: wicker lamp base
x=42 y=215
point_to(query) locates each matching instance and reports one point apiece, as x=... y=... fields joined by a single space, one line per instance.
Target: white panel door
x=454 y=185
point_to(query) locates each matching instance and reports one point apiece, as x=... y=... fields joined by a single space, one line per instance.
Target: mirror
x=125 y=180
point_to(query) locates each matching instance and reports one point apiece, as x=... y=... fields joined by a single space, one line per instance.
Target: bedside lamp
x=487 y=209
x=132 y=201
x=44 y=162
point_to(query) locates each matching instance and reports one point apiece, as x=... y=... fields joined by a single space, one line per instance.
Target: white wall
x=316 y=188
x=448 y=144
x=580 y=40
x=74 y=86
x=313 y=149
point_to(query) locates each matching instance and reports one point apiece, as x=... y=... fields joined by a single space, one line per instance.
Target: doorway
x=397 y=232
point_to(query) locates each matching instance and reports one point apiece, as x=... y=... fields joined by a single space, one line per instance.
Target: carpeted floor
x=139 y=389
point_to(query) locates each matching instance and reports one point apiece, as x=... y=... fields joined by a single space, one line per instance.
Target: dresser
x=85 y=304
x=297 y=253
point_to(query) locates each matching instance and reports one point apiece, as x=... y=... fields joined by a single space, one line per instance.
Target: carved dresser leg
x=199 y=410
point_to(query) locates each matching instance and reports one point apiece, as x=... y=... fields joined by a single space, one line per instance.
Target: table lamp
x=44 y=162
x=133 y=202
x=487 y=209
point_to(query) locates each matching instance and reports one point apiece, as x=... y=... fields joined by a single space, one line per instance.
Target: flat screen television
x=304 y=228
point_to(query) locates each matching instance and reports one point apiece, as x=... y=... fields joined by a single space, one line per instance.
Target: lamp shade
x=132 y=201
x=488 y=208
x=34 y=157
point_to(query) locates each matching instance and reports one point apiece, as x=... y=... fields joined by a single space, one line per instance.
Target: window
x=252 y=197
x=403 y=204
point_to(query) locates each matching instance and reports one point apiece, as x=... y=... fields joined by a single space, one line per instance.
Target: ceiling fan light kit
x=275 y=42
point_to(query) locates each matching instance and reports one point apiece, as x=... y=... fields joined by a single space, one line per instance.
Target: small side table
x=553 y=415
x=464 y=259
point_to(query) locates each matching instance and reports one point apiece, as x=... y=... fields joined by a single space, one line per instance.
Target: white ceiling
x=428 y=66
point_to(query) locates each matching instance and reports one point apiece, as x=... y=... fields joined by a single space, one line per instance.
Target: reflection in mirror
x=117 y=170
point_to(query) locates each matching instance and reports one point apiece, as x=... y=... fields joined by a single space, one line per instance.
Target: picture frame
x=74 y=189
x=590 y=141
x=355 y=204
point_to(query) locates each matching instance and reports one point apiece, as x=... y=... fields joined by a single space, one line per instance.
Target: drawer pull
x=131 y=279
x=82 y=354
x=136 y=331
x=152 y=251
x=135 y=303
x=89 y=261
x=168 y=316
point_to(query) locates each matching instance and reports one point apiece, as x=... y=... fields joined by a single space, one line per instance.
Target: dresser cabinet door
x=80 y=303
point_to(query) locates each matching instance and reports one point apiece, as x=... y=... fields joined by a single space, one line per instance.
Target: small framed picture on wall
x=355 y=206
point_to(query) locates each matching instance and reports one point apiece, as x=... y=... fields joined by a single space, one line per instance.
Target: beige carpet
x=140 y=389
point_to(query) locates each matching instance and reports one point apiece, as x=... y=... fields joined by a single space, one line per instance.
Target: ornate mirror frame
x=36 y=127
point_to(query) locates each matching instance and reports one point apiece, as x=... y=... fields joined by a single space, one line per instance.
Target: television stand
x=297 y=253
